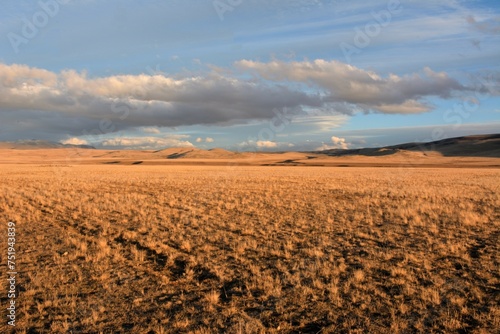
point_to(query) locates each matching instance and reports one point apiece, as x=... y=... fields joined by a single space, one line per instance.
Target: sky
x=248 y=75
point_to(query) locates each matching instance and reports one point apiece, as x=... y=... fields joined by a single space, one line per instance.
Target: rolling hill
x=466 y=146
x=467 y=151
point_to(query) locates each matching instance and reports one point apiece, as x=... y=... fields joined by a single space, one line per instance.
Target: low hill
x=468 y=151
x=466 y=146
x=196 y=153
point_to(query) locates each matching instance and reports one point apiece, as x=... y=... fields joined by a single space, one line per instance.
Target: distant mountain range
x=466 y=146
x=32 y=144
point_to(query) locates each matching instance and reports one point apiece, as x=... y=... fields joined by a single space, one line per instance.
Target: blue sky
x=248 y=75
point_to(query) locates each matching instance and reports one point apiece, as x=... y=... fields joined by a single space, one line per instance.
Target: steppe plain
x=193 y=241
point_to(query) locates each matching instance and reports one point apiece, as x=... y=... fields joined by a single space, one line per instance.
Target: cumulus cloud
x=266 y=144
x=337 y=143
x=207 y=140
x=147 y=143
x=72 y=103
x=364 y=89
x=75 y=141
x=145 y=100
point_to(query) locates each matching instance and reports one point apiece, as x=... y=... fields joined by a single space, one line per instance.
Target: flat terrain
x=223 y=158
x=478 y=151
x=252 y=249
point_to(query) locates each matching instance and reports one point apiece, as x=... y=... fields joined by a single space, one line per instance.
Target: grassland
x=252 y=249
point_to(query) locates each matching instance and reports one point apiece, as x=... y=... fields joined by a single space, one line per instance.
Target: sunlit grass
x=254 y=249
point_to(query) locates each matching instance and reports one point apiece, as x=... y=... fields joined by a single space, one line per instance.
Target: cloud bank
x=147 y=142
x=365 y=89
x=72 y=104
x=128 y=101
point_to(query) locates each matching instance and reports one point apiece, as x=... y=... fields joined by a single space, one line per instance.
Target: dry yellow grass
x=171 y=249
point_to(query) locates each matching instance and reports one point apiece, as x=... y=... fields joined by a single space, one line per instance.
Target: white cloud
x=74 y=141
x=266 y=144
x=132 y=101
x=339 y=142
x=72 y=103
x=365 y=89
x=147 y=143
x=206 y=140
x=324 y=147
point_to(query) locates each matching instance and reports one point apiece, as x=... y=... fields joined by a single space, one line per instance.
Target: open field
x=252 y=249
x=223 y=158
